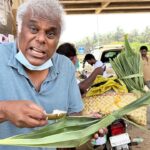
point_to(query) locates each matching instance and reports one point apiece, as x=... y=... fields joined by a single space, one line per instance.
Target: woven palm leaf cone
x=107 y=103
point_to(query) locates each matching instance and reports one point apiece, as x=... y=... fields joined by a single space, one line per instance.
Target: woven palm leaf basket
x=108 y=102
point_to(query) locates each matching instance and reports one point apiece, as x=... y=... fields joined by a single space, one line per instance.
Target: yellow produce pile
x=102 y=85
x=109 y=102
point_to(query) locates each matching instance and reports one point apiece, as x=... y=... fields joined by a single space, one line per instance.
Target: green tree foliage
x=145 y=34
x=136 y=39
x=119 y=34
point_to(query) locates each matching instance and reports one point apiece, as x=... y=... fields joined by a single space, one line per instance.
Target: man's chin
x=36 y=63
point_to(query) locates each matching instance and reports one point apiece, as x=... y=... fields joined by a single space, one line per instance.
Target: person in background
x=69 y=51
x=92 y=61
x=146 y=65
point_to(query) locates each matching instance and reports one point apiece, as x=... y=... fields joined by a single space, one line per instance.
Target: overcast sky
x=79 y=26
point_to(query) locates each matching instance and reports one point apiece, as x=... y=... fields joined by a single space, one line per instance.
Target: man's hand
x=22 y=113
x=85 y=84
x=100 y=132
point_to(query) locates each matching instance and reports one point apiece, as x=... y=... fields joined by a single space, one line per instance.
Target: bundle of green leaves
x=128 y=67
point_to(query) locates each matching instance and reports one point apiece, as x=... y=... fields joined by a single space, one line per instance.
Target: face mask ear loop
x=18 y=46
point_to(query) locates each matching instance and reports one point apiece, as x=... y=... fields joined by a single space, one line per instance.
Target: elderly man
x=34 y=79
x=32 y=73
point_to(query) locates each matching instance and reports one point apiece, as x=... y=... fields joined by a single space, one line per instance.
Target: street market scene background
x=89 y=31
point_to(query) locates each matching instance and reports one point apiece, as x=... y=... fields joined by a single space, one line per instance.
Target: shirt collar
x=12 y=62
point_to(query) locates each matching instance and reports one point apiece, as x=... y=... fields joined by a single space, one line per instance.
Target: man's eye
x=33 y=30
x=51 y=34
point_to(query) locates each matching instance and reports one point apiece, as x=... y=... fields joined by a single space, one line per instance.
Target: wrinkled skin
x=37 y=40
x=23 y=113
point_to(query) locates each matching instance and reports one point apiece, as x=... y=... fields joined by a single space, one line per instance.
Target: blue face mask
x=21 y=58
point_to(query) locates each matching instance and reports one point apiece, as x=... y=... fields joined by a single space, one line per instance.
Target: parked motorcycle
x=117 y=138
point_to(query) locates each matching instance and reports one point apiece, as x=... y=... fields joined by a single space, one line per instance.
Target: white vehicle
x=106 y=52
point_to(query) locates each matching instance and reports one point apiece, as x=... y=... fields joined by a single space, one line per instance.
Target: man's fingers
x=100 y=133
x=37 y=111
x=96 y=136
x=35 y=123
x=31 y=123
x=39 y=115
x=105 y=130
x=34 y=106
x=96 y=115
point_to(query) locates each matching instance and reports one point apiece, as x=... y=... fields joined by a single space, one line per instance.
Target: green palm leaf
x=71 y=131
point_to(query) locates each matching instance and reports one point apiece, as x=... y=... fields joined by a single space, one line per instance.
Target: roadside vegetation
x=136 y=39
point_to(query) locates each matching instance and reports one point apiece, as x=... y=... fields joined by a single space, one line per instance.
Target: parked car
x=105 y=53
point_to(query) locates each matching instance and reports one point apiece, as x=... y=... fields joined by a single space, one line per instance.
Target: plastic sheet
x=7 y=23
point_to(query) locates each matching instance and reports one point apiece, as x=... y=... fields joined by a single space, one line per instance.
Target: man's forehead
x=143 y=50
x=37 y=18
x=38 y=21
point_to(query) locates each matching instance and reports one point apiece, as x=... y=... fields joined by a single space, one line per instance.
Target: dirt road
x=133 y=132
x=136 y=132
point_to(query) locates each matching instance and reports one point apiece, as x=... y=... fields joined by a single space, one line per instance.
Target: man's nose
x=41 y=37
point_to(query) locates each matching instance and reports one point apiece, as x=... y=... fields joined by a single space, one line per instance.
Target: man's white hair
x=47 y=9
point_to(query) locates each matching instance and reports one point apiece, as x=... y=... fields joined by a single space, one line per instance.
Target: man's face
x=143 y=52
x=38 y=38
x=74 y=59
x=91 y=62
